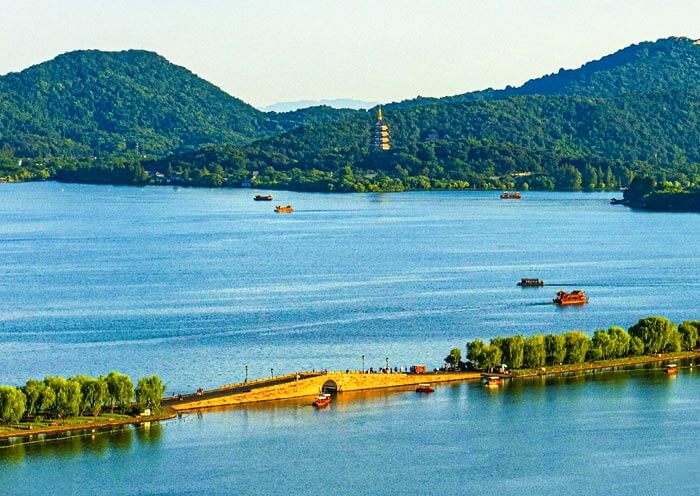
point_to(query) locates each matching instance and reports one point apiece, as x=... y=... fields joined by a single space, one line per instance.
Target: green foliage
x=597 y=127
x=689 y=331
x=91 y=102
x=454 y=357
x=149 y=392
x=648 y=336
x=491 y=357
x=656 y=333
x=94 y=394
x=577 y=344
x=535 y=353
x=475 y=351
x=636 y=346
x=516 y=349
x=12 y=404
x=555 y=345
x=120 y=390
x=68 y=396
x=483 y=355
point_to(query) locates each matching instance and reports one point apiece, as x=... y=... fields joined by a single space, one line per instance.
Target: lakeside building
x=380 y=133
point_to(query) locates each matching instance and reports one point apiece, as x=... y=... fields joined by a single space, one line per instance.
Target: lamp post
x=387 y=364
x=363 y=364
x=272 y=373
x=246 y=374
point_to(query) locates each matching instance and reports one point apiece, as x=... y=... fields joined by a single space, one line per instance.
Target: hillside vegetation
x=632 y=113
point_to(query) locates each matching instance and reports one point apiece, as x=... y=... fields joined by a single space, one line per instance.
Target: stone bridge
x=308 y=384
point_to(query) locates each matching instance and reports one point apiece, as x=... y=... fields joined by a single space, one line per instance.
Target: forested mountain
x=93 y=102
x=669 y=64
x=557 y=140
x=633 y=113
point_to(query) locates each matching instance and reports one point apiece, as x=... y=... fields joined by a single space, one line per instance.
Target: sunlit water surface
x=196 y=284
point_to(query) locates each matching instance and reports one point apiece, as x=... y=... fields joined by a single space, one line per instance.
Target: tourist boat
x=263 y=198
x=531 y=282
x=424 y=388
x=672 y=368
x=280 y=209
x=576 y=297
x=493 y=381
x=511 y=196
x=616 y=201
x=323 y=400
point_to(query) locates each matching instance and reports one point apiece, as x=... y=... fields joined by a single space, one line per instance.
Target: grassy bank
x=27 y=429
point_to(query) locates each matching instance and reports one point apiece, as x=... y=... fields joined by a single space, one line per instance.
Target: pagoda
x=380 y=133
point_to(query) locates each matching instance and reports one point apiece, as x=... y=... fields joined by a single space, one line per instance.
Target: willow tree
x=13 y=403
x=149 y=393
x=535 y=353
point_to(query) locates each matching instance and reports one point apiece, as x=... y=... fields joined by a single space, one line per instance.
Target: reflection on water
x=599 y=427
x=80 y=443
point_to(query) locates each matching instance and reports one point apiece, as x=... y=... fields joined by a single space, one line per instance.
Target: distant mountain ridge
x=336 y=103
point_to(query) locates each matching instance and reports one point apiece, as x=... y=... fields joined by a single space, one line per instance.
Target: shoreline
x=289 y=387
x=321 y=191
x=239 y=394
x=603 y=365
x=94 y=427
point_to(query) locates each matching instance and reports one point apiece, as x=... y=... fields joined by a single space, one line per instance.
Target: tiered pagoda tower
x=380 y=133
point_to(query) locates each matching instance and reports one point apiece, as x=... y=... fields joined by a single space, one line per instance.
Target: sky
x=268 y=51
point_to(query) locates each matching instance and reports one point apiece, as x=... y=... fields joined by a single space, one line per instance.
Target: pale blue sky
x=265 y=51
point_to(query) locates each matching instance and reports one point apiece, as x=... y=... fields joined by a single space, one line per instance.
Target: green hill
x=669 y=64
x=93 y=102
x=563 y=138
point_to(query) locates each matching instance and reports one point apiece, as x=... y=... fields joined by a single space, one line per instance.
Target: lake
x=196 y=284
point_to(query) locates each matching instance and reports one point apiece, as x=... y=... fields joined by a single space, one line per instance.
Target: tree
x=454 y=357
x=577 y=344
x=601 y=346
x=689 y=331
x=149 y=393
x=120 y=390
x=33 y=391
x=556 y=348
x=639 y=188
x=535 y=352
x=94 y=394
x=12 y=404
x=475 y=352
x=68 y=398
x=636 y=346
x=491 y=357
x=620 y=341
x=657 y=333
x=502 y=344
x=516 y=348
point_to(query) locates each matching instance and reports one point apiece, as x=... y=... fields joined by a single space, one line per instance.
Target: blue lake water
x=196 y=284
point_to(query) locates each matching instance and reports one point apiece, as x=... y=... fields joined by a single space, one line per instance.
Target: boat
x=576 y=297
x=672 y=368
x=323 y=400
x=531 y=282
x=511 y=196
x=493 y=381
x=281 y=209
x=616 y=201
x=424 y=388
x=263 y=198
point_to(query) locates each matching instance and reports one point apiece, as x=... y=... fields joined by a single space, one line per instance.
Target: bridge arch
x=330 y=387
